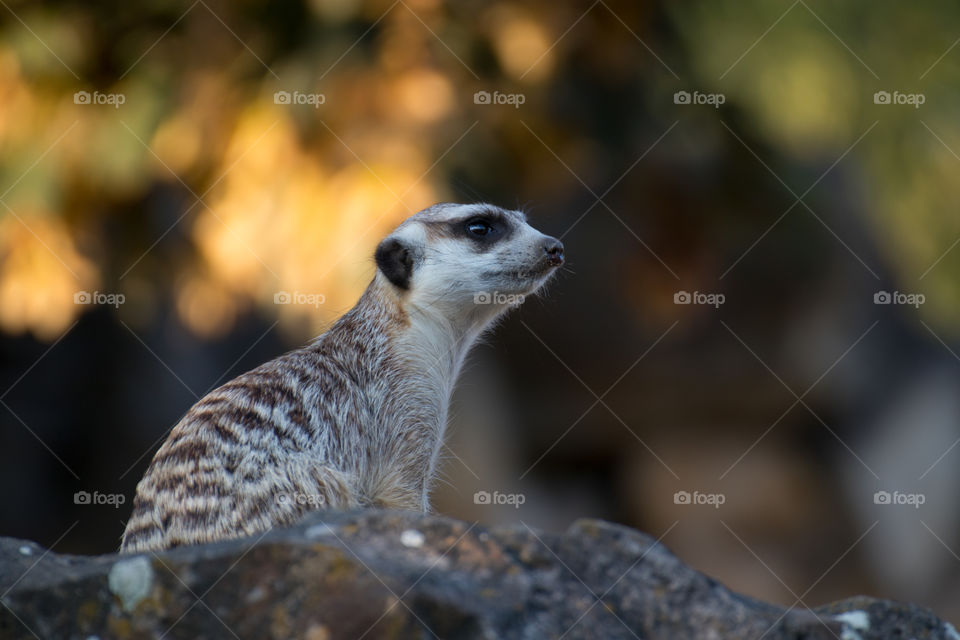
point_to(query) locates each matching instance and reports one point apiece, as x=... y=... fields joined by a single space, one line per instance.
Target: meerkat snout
x=356 y=417
x=554 y=250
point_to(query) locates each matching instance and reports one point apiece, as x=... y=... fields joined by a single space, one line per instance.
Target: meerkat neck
x=423 y=347
x=436 y=334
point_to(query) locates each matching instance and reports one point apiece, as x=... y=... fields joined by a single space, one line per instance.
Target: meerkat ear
x=395 y=261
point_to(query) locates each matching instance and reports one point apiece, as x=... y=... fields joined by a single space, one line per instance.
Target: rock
x=384 y=574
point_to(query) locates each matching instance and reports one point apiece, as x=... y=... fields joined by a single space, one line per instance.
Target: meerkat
x=355 y=418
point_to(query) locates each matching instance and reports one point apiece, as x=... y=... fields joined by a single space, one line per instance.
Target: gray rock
x=379 y=574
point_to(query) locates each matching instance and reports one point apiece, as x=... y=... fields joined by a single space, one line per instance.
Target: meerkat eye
x=479 y=227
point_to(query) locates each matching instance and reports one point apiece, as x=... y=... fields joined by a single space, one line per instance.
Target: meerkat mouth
x=529 y=275
x=529 y=280
x=545 y=268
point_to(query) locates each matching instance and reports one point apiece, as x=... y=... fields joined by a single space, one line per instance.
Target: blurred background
x=752 y=353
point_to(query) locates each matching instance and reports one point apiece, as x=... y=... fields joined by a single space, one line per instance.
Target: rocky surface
x=378 y=574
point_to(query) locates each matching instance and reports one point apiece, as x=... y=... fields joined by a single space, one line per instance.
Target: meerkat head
x=468 y=261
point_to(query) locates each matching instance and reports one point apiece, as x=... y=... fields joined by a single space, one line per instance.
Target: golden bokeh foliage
x=237 y=151
x=275 y=196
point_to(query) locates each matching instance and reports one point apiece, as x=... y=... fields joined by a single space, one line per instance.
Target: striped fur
x=353 y=419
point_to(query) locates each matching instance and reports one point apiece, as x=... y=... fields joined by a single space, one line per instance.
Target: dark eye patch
x=481 y=229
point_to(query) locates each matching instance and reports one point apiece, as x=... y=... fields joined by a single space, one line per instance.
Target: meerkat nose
x=554 y=250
